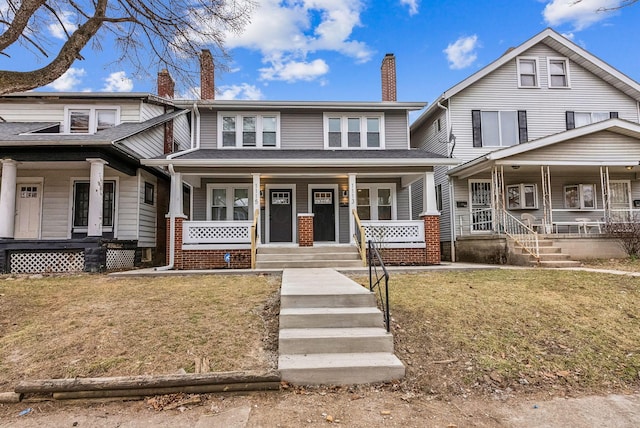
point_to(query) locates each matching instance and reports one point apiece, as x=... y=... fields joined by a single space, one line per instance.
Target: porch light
x=515 y=166
x=629 y=168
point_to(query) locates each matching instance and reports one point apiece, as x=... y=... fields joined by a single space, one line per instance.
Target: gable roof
x=619 y=126
x=558 y=43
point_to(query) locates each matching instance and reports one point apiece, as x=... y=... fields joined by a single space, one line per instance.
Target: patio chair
x=530 y=221
x=586 y=224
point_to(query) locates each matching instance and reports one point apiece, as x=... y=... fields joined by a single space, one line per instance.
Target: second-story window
x=576 y=119
x=353 y=131
x=499 y=128
x=89 y=119
x=558 y=73
x=237 y=130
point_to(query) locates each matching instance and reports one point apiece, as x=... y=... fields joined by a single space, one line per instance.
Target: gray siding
x=147 y=144
x=208 y=129
x=148 y=213
x=302 y=131
x=396 y=130
x=54 y=111
x=545 y=107
x=149 y=111
x=182 y=131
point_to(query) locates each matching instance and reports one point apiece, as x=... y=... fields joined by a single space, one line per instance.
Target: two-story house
x=265 y=174
x=549 y=141
x=73 y=194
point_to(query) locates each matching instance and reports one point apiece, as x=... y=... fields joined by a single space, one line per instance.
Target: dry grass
x=517 y=330
x=628 y=264
x=93 y=325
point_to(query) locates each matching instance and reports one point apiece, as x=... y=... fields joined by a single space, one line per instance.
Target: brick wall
x=207 y=82
x=305 y=230
x=388 y=74
x=402 y=256
x=432 y=238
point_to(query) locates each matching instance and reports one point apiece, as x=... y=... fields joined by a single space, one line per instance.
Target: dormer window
x=89 y=120
x=353 y=131
x=558 y=72
x=248 y=130
x=528 y=72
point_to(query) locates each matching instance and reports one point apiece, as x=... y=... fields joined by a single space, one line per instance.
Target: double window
x=81 y=205
x=89 y=120
x=577 y=119
x=237 y=130
x=528 y=69
x=376 y=202
x=229 y=202
x=498 y=128
x=580 y=197
x=522 y=196
x=353 y=131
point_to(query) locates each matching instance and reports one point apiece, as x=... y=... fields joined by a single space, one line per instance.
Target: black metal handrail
x=375 y=261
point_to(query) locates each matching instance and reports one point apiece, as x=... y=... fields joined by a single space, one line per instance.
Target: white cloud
x=461 y=53
x=118 y=82
x=298 y=28
x=57 y=29
x=580 y=14
x=243 y=91
x=68 y=81
x=413 y=5
x=293 y=71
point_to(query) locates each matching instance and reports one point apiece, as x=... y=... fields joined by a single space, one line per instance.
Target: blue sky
x=332 y=49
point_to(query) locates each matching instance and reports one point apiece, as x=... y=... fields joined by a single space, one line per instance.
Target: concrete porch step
x=330 y=317
x=300 y=264
x=328 y=300
x=340 y=369
x=554 y=257
x=334 y=340
x=559 y=264
x=294 y=249
x=314 y=256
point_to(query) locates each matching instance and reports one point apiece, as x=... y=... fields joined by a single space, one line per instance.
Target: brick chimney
x=166 y=84
x=166 y=87
x=388 y=71
x=207 y=83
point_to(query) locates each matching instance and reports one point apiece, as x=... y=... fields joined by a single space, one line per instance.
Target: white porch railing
x=519 y=232
x=216 y=232
x=394 y=232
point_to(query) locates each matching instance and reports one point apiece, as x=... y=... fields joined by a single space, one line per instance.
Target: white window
x=353 y=131
x=237 y=130
x=582 y=119
x=558 y=72
x=229 y=202
x=580 y=196
x=528 y=72
x=90 y=119
x=522 y=196
x=499 y=128
x=376 y=202
x=80 y=209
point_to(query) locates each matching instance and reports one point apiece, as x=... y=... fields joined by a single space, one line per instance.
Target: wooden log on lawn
x=10 y=397
x=196 y=389
x=142 y=382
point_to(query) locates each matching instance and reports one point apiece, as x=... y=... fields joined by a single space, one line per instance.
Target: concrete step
x=327 y=300
x=555 y=257
x=298 y=264
x=334 y=340
x=549 y=250
x=340 y=369
x=331 y=317
x=559 y=264
x=285 y=257
x=307 y=250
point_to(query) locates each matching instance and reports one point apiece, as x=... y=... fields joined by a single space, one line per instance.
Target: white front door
x=28 y=197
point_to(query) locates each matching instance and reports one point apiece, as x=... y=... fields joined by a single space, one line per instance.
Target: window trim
x=344 y=130
x=72 y=199
x=93 y=117
x=522 y=204
x=239 y=129
x=536 y=61
x=566 y=71
x=229 y=188
x=373 y=207
x=149 y=198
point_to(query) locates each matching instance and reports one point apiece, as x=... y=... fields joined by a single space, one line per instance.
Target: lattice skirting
x=46 y=262
x=120 y=259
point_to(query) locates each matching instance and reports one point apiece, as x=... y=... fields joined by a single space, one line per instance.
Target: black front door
x=280 y=215
x=324 y=218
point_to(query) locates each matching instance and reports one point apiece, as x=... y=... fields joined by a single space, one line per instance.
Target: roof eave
x=309 y=163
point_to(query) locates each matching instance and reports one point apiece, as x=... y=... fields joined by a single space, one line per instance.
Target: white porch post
x=429 y=205
x=256 y=203
x=353 y=204
x=96 y=188
x=8 y=198
x=175 y=199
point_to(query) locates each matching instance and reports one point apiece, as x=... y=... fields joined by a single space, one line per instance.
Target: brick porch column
x=305 y=230
x=177 y=261
x=432 y=238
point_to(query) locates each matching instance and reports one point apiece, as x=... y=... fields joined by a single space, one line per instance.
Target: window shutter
x=571 y=120
x=613 y=115
x=477 y=129
x=522 y=126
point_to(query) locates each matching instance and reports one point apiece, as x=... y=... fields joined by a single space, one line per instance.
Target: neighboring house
x=279 y=173
x=73 y=195
x=549 y=141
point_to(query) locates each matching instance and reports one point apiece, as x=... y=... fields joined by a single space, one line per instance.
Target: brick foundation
x=305 y=230
x=402 y=256
x=432 y=238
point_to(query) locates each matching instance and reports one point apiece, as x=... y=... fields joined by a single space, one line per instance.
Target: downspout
x=452 y=211
x=195 y=145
